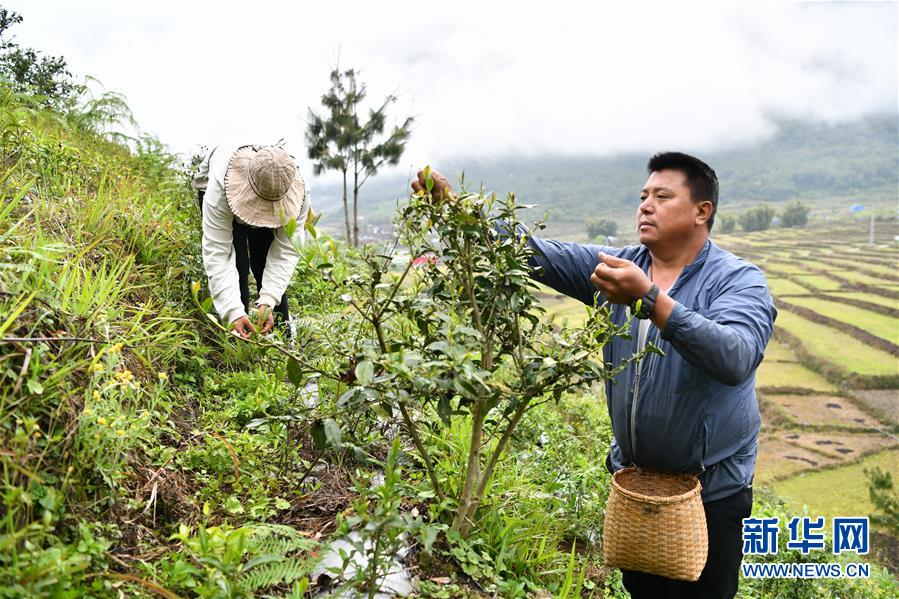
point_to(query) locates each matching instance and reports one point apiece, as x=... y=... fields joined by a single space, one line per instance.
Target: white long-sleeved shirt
x=219 y=257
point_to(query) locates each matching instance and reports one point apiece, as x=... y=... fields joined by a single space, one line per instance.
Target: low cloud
x=484 y=78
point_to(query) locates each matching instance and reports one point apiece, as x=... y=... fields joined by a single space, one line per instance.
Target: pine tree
x=339 y=140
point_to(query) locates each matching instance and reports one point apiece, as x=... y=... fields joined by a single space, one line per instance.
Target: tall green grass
x=95 y=258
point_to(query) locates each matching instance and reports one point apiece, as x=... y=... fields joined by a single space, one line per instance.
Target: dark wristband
x=647 y=303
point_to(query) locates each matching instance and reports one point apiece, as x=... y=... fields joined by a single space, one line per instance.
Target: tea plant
x=462 y=335
x=458 y=337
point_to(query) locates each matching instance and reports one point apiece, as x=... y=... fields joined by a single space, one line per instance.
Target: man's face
x=667 y=214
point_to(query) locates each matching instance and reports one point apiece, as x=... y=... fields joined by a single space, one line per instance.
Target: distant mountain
x=811 y=161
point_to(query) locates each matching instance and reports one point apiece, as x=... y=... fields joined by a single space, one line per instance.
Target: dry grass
x=883 y=402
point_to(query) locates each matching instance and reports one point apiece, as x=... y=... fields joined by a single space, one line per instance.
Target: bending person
x=247 y=195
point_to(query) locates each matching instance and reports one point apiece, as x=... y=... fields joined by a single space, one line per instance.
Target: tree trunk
x=355 y=208
x=346 y=210
x=467 y=500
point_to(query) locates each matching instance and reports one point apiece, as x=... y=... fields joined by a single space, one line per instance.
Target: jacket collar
x=698 y=262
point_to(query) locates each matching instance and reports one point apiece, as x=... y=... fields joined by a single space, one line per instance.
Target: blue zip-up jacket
x=696 y=410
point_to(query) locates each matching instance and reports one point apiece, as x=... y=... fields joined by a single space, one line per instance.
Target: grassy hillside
x=147 y=453
x=827 y=165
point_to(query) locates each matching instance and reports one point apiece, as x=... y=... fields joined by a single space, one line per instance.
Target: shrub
x=795 y=214
x=601 y=227
x=726 y=223
x=757 y=219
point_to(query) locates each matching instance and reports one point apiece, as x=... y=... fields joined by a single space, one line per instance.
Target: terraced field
x=829 y=385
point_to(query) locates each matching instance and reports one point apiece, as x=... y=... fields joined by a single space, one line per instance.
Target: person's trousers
x=251 y=246
x=721 y=574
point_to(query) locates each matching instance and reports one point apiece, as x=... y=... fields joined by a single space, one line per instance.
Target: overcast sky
x=482 y=78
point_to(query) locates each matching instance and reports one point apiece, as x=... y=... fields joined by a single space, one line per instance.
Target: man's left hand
x=266 y=320
x=621 y=281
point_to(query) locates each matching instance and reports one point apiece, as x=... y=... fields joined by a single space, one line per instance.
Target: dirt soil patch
x=779 y=458
x=823 y=410
x=842 y=446
x=884 y=402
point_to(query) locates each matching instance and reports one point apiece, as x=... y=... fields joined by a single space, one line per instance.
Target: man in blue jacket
x=693 y=410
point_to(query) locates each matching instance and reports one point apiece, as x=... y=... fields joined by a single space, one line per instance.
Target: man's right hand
x=243 y=327
x=441 y=187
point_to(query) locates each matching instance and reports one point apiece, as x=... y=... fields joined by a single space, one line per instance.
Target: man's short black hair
x=701 y=178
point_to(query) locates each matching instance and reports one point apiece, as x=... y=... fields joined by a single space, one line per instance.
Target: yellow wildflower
x=163 y=376
x=120 y=432
x=96 y=395
x=116 y=348
x=101 y=421
x=97 y=367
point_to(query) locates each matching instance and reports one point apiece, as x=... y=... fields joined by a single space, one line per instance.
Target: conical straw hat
x=263 y=186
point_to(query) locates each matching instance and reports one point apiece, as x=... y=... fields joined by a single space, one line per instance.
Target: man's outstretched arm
x=564 y=266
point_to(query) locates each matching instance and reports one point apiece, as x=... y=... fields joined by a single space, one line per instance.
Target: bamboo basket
x=655 y=523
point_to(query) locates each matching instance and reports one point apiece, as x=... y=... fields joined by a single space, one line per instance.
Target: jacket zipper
x=636 y=389
x=636 y=393
x=638 y=375
x=634 y=415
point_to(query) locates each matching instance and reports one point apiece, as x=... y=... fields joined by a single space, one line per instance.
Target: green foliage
x=46 y=77
x=102 y=112
x=125 y=418
x=548 y=498
x=795 y=214
x=465 y=337
x=384 y=529
x=885 y=499
x=757 y=219
x=341 y=141
x=726 y=223
x=36 y=562
x=601 y=227
x=88 y=357
x=221 y=561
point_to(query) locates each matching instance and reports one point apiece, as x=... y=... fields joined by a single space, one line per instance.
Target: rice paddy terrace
x=829 y=384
